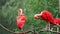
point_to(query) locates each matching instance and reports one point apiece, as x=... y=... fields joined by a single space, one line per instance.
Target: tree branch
x=6 y=29
x=15 y=32
x=49 y=31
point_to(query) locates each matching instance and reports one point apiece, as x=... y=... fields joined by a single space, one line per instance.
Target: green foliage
x=9 y=13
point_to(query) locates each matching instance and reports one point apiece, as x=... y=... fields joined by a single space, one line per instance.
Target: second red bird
x=21 y=19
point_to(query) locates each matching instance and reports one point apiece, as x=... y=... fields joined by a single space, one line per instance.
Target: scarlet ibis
x=45 y=15
x=21 y=19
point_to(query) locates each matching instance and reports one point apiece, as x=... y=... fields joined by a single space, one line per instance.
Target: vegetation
x=8 y=13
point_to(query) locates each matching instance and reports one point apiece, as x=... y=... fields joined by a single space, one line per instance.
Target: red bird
x=45 y=15
x=21 y=19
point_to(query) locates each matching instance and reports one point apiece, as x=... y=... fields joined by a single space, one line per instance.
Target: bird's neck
x=20 y=14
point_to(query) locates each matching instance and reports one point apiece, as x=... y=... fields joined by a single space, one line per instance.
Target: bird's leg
x=22 y=30
x=57 y=29
x=52 y=28
x=46 y=27
x=49 y=28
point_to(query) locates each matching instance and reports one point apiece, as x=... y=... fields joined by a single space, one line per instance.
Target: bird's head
x=20 y=11
x=37 y=16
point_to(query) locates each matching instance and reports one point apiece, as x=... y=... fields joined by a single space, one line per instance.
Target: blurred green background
x=8 y=13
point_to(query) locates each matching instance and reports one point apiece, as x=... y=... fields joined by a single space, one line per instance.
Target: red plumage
x=45 y=15
x=57 y=21
x=21 y=19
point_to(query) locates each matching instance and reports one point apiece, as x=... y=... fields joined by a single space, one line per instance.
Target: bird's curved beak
x=37 y=16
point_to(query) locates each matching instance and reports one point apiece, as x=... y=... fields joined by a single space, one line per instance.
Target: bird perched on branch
x=45 y=15
x=48 y=17
x=21 y=19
